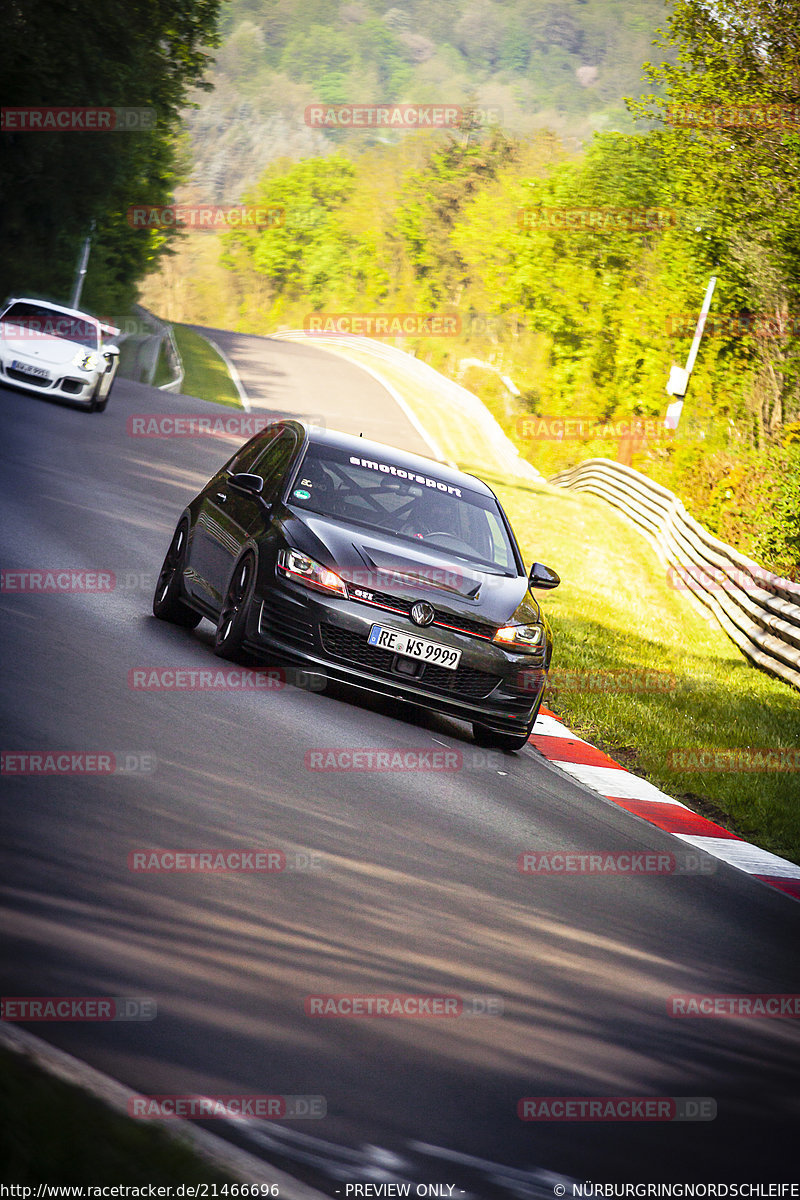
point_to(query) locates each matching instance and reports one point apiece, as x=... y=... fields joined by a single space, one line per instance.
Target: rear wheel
x=168 y=604
x=229 y=640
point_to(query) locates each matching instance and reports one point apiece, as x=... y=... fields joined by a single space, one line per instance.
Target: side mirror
x=247 y=484
x=542 y=577
x=250 y=485
x=110 y=354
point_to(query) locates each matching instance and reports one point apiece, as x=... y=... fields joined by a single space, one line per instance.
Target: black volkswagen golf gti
x=384 y=570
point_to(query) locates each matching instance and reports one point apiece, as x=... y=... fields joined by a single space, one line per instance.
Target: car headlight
x=85 y=360
x=520 y=637
x=304 y=570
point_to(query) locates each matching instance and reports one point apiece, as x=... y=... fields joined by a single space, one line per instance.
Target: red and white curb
x=597 y=771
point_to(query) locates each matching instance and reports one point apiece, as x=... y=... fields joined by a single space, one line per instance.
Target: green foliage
x=308 y=256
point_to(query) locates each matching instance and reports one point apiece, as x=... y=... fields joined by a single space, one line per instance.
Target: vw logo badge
x=422 y=613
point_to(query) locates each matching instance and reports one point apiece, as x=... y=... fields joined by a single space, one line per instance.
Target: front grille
x=354 y=648
x=24 y=377
x=477 y=628
x=286 y=621
x=461 y=624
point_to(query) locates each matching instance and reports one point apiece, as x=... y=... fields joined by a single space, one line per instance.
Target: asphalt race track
x=412 y=888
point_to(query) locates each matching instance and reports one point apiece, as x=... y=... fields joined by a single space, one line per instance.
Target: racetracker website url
x=197 y=1191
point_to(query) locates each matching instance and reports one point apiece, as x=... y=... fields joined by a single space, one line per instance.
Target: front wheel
x=229 y=639
x=168 y=604
x=96 y=404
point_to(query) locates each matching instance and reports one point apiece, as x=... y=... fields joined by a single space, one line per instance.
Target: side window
x=244 y=458
x=500 y=545
x=272 y=464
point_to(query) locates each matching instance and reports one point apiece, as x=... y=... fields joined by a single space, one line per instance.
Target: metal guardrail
x=759 y=611
x=147 y=341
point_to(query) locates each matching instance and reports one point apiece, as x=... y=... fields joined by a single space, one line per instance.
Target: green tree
x=53 y=186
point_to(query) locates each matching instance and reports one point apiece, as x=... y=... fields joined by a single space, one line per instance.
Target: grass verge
x=205 y=373
x=641 y=673
x=53 y=1132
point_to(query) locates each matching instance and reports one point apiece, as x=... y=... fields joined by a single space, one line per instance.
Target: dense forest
x=558 y=64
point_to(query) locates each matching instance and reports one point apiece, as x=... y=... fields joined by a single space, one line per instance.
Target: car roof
x=366 y=448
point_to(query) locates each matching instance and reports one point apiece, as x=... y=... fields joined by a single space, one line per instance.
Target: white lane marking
x=234 y=374
x=744 y=855
x=616 y=781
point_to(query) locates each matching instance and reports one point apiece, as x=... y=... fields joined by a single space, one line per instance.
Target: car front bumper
x=491 y=685
x=68 y=384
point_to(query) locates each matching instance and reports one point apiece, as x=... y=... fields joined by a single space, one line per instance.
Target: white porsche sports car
x=60 y=351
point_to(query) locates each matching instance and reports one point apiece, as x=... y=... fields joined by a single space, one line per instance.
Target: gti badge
x=422 y=613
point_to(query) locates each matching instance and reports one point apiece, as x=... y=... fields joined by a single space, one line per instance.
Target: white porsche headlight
x=86 y=361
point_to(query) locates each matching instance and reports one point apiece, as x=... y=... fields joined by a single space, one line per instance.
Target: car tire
x=232 y=621
x=168 y=603
x=96 y=404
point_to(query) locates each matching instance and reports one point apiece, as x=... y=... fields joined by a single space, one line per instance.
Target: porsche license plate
x=413 y=647
x=30 y=369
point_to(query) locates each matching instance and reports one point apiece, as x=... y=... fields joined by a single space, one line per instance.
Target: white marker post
x=678 y=381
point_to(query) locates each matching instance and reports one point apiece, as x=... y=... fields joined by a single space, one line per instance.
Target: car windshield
x=392 y=498
x=41 y=319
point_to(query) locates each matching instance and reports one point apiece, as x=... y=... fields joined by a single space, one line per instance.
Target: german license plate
x=411 y=646
x=29 y=369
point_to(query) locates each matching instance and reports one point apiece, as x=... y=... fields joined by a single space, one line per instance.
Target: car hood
x=40 y=347
x=375 y=562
